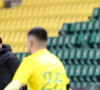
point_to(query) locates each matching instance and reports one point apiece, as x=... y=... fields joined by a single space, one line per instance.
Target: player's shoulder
x=28 y=58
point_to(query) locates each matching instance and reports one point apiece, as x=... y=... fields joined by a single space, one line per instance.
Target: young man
x=8 y=65
x=41 y=70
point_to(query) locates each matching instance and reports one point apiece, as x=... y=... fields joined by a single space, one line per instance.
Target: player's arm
x=22 y=75
x=14 y=85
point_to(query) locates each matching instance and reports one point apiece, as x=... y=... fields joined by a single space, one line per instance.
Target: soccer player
x=41 y=70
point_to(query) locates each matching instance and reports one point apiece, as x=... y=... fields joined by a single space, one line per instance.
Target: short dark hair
x=39 y=33
x=0 y=40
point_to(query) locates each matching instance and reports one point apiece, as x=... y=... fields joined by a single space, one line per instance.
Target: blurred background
x=73 y=28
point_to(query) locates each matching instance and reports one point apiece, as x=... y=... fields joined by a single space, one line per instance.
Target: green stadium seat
x=80 y=40
x=96 y=13
x=78 y=27
x=61 y=42
x=96 y=75
x=19 y=55
x=72 y=56
x=78 y=56
x=54 y=43
x=84 y=84
x=97 y=26
x=97 y=56
x=92 y=40
x=54 y=52
x=97 y=41
x=64 y=30
x=86 y=39
x=72 y=72
x=78 y=72
x=72 y=28
x=91 y=57
x=90 y=73
x=73 y=40
x=66 y=55
x=49 y=43
x=72 y=84
x=67 y=70
x=60 y=54
x=67 y=42
x=84 y=27
x=24 y=55
x=78 y=84
x=84 y=73
x=85 y=53
x=91 y=26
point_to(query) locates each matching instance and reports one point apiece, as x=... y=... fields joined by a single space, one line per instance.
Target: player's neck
x=37 y=49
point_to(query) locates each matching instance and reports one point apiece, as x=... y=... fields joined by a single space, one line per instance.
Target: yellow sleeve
x=24 y=71
x=67 y=80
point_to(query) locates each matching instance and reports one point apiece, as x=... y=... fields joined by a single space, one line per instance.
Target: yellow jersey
x=42 y=71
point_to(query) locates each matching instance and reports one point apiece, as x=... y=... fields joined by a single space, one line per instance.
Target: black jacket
x=8 y=65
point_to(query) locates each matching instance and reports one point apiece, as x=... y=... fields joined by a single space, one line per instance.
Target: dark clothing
x=8 y=65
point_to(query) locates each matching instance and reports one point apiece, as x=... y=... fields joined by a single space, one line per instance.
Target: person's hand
x=69 y=89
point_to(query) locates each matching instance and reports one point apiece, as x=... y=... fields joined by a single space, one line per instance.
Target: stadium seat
x=78 y=72
x=71 y=72
x=85 y=42
x=84 y=56
x=97 y=56
x=72 y=56
x=84 y=73
x=78 y=27
x=67 y=41
x=96 y=13
x=90 y=73
x=91 y=57
x=97 y=40
x=60 y=42
x=54 y=42
x=24 y=55
x=66 y=56
x=78 y=56
x=60 y=54
x=72 y=28
x=96 y=75
x=19 y=55
x=91 y=26
x=97 y=26
x=73 y=40
x=49 y=43
x=65 y=29
x=84 y=27
x=92 y=40
x=80 y=40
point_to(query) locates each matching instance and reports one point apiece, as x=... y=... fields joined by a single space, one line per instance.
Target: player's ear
x=31 y=43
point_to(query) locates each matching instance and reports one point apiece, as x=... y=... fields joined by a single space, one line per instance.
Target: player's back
x=45 y=71
x=48 y=72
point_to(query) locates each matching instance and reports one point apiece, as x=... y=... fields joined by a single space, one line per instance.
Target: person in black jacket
x=8 y=65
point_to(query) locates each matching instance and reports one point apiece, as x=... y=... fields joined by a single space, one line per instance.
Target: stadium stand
x=76 y=22
x=48 y=14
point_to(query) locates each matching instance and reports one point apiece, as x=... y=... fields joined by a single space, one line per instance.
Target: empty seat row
x=78 y=27
x=83 y=73
x=78 y=56
x=45 y=2
x=78 y=41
